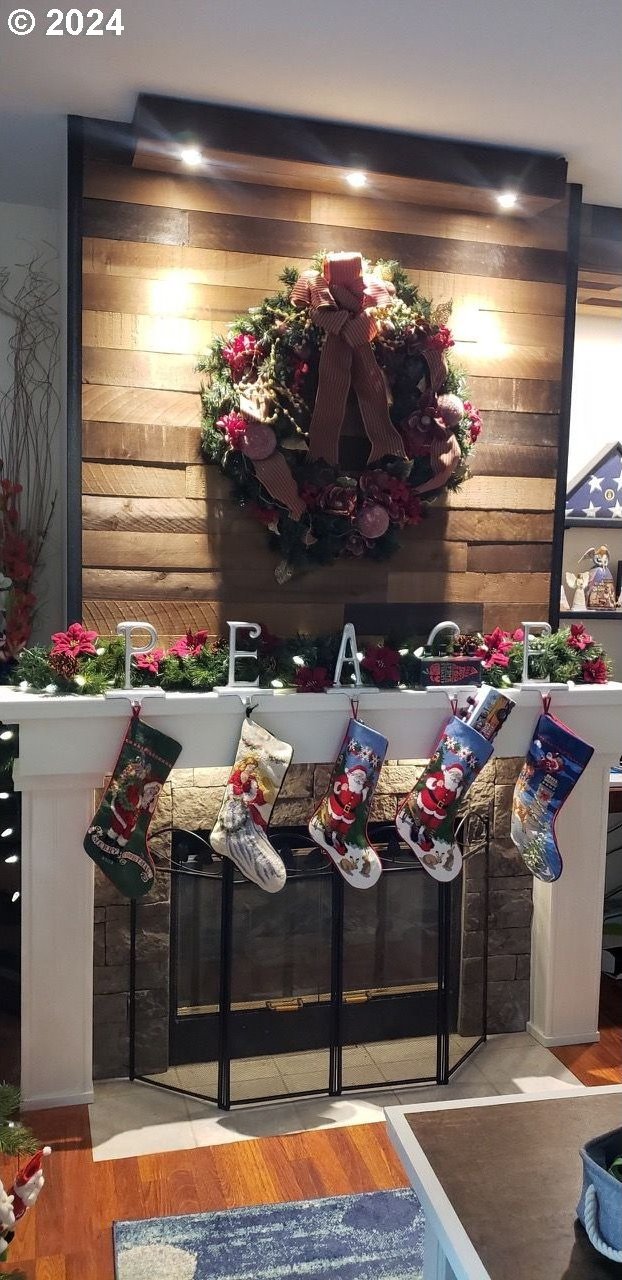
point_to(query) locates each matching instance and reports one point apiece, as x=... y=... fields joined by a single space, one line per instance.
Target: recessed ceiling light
x=191 y=156
x=356 y=179
x=507 y=199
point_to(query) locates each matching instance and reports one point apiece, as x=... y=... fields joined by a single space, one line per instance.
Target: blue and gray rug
x=378 y=1236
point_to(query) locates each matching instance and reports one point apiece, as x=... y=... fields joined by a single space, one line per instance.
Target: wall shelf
x=597 y=615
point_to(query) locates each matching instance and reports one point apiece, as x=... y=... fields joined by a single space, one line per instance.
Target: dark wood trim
x=353 y=146
x=601 y=238
x=75 y=173
x=570 y=315
x=112 y=140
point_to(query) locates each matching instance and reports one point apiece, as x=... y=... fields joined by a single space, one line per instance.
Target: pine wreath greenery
x=16 y=1139
x=266 y=370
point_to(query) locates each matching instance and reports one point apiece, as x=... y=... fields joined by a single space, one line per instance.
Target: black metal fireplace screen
x=319 y=989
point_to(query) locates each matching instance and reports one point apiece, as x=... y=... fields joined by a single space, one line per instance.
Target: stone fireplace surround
x=191 y=800
x=67 y=746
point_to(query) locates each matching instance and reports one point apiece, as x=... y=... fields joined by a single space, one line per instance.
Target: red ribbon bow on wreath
x=339 y=301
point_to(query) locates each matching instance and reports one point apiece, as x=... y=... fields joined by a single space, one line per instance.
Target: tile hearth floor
x=137 y=1119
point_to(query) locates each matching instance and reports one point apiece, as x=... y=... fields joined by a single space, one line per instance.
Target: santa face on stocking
x=441 y=789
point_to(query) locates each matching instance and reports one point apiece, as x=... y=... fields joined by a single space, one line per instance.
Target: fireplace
x=318 y=988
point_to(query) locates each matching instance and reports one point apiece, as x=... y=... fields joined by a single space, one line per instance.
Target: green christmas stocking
x=117 y=837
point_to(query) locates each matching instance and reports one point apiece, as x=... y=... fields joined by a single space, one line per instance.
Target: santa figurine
x=23 y=1195
x=440 y=791
x=349 y=792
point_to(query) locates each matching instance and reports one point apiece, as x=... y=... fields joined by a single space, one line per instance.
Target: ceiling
x=543 y=74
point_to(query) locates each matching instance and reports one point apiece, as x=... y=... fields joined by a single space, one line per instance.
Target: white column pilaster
x=57 y=940
x=566 y=938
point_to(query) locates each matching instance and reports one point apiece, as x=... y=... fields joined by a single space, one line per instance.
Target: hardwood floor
x=599 y=1063
x=68 y=1236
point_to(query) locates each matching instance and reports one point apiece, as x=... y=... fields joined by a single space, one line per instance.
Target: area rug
x=377 y=1236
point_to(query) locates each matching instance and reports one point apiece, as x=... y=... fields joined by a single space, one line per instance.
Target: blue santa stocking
x=339 y=824
x=426 y=819
x=553 y=765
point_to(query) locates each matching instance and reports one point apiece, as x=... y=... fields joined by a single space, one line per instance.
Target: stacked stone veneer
x=192 y=799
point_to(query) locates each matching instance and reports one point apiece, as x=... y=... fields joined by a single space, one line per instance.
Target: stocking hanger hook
x=546 y=702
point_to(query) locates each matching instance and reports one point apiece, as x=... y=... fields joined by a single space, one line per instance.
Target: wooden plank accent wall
x=168 y=260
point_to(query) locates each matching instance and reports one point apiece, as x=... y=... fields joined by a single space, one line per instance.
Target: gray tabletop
x=513 y=1177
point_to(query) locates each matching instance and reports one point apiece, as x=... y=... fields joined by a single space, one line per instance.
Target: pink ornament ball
x=451 y=409
x=373 y=521
x=258 y=442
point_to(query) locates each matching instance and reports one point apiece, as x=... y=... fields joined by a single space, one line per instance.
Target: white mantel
x=68 y=745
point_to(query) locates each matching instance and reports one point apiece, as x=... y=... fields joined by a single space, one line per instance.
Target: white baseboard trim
x=59 y=1100
x=553 y=1042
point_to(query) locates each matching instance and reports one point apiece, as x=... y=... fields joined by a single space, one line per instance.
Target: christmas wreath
x=281 y=382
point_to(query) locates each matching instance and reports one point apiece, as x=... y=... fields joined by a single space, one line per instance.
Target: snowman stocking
x=339 y=824
x=240 y=832
x=117 y=837
x=553 y=765
x=426 y=819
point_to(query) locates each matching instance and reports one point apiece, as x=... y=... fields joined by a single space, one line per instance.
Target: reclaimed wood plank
x=508 y=427
x=487 y=587
x=123 y=479
x=474 y=526
x=236 y=584
x=141 y=369
x=136 y=404
x=133 y=331
x=141 y=442
x=523 y=557
x=517 y=395
x=503 y=493
x=117 y=221
x=169 y=295
x=168 y=515
x=492 y=459
x=215 y=267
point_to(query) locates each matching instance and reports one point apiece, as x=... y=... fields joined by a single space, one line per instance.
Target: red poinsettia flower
x=311 y=679
x=440 y=340
x=383 y=664
x=579 y=638
x=495 y=649
x=594 y=671
x=150 y=661
x=190 y=645
x=234 y=426
x=239 y=353
x=75 y=641
x=10 y=489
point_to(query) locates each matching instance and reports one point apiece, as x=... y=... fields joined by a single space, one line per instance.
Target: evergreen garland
x=198 y=663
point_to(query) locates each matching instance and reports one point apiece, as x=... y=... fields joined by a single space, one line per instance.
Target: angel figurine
x=578 y=583
x=600 y=592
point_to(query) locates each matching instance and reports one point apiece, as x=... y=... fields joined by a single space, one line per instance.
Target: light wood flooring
x=69 y=1236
